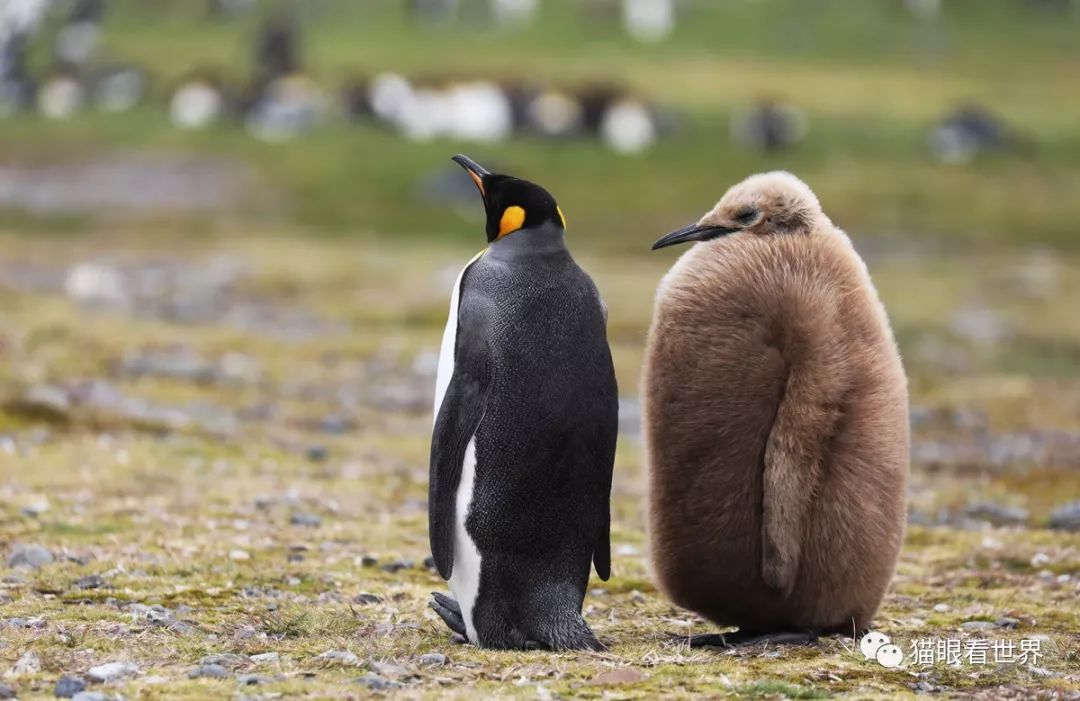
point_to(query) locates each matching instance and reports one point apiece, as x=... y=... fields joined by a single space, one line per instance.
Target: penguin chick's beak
x=696 y=232
x=476 y=171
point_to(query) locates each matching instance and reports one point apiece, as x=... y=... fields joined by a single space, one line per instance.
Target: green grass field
x=872 y=79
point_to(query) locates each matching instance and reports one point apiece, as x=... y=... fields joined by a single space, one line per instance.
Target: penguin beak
x=696 y=232
x=476 y=171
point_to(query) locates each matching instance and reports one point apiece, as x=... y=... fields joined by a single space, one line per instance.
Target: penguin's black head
x=512 y=204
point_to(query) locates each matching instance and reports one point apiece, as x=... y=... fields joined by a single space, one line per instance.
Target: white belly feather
x=465 y=578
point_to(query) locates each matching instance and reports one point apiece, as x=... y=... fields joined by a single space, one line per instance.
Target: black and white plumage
x=524 y=437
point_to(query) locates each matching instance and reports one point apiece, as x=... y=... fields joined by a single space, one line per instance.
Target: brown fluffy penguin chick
x=776 y=422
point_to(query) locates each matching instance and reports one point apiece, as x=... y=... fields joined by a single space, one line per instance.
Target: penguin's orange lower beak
x=476 y=171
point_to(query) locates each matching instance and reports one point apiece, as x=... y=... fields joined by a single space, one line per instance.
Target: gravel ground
x=213 y=467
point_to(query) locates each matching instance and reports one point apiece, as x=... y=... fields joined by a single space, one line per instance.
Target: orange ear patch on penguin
x=512 y=219
x=562 y=217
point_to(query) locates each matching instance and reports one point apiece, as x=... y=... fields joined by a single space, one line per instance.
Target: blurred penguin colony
x=280 y=100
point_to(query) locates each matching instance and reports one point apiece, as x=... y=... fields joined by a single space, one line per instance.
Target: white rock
x=29 y=663
x=111 y=671
x=89 y=696
x=238 y=555
x=97 y=285
x=342 y=656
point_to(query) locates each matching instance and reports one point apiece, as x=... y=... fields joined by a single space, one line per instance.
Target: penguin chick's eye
x=512 y=219
x=746 y=216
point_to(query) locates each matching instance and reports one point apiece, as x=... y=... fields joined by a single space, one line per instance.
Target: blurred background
x=228 y=230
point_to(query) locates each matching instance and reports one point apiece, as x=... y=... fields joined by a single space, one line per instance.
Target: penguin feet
x=449 y=611
x=741 y=638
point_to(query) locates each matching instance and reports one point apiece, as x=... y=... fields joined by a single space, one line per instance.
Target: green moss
x=779 y=689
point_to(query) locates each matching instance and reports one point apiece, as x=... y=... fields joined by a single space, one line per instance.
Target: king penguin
x=526 y=416
x=776 y=422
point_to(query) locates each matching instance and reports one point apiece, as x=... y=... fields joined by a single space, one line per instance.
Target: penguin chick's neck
x=546 y=239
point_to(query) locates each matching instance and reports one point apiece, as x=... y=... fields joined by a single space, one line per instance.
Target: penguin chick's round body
x=776 y=420
x=526 y=415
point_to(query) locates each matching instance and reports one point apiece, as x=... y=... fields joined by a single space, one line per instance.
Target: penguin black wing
x=605 y=454
x=602 y=553
x=459 y=415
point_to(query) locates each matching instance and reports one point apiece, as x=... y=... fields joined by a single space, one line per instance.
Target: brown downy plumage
x=776 y=420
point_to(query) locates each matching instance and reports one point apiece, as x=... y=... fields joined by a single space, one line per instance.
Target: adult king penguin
x=776 y=422
x=526 y=414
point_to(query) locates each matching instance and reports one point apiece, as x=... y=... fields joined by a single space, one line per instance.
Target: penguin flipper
x=602 y=550
x=459 y=416
x=796 y=452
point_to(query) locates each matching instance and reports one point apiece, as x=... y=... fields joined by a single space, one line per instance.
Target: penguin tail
x=568 y=631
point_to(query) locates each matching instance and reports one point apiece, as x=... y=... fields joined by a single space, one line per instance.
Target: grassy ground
x=282 y=479
x=224 y=459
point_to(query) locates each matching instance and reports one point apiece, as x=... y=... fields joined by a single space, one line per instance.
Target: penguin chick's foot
x=745 y=638
x=449 y=611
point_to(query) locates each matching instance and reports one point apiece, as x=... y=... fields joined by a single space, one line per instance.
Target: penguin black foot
x=747 y=638
x=449 y=611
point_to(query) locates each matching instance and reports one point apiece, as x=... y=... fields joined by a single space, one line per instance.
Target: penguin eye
x=746 y=216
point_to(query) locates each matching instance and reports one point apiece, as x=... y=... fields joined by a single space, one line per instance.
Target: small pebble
x=978 y=625
x=29 y=556
x=941 y=608
x=375 y=682
x=112 y=671
x=1039 y=559
x=34 y=510
x=28 y=663
x=388 y=669
x=210 y=671
x=239 y=555
x=341 y=656
x=1067 y=517
x=6 y=692
x=432 y=659
x=226 y=659
x=302 y=519
x=93 y=581
x=1007 y=622
x=317 y=453
x=265 y=657
x=89 y=696
x=68 y=686
x=364 y=599
x=252 y=679
x=369 y=561
x=997 y=514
